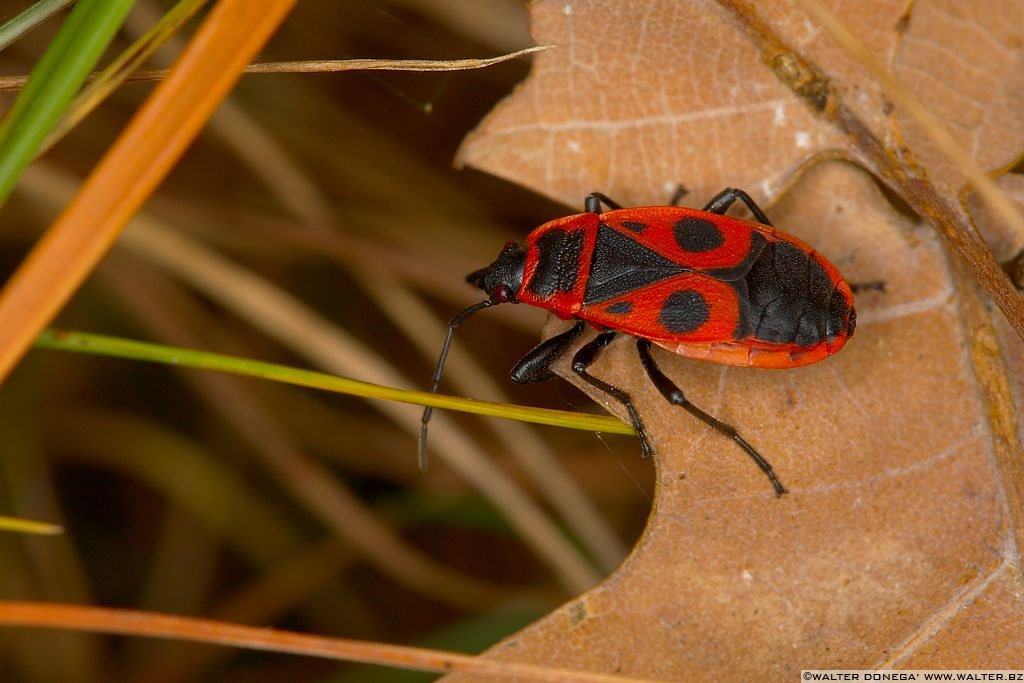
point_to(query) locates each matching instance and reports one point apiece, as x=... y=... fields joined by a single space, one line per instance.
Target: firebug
x=698 y=283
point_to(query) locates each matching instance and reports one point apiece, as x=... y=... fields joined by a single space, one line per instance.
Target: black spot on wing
x=697 y=234
x=558 y=263
x=620 y=308
x=684 y=311
x=622 y=265
x=634 y=226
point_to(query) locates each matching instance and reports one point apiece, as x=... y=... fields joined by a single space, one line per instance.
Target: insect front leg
x=535 y=366
x=675 y=396
x=584 y=358
x=592 y=204
x=721 y=202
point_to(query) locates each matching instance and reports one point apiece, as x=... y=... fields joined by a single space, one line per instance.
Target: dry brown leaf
x=898 y=544
x=896 y=531
x=1005 y=242
x=964 y=60
x=639 y=97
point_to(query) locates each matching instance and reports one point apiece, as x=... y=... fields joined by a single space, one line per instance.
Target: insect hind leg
x=721 y=202
x=675 y=396
x=584 y=358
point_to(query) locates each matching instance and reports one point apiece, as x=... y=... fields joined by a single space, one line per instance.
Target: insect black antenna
x=439 y=371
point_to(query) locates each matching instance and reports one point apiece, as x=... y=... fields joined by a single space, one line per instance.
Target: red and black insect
x=696 y=282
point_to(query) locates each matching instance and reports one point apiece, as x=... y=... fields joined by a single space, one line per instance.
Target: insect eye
x=502 y=294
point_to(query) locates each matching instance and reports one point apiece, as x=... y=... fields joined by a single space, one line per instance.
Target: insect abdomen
x=788 y=297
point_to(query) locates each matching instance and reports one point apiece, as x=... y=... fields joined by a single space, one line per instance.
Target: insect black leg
x=870 y=286
x=592 y=204
x=721 y=202
x=584 y=358
x=675 y=396
x=678 y=195
x=535 y=366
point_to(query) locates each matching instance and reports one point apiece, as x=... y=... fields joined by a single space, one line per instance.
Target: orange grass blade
x=140 y=158
x=104 y=620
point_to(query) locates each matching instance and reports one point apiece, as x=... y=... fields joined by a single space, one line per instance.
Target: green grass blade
x=171 y=355
x=16 y=27
x=123 y=66
x=70 y=57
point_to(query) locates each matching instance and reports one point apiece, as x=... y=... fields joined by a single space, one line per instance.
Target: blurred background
x=318 y=222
